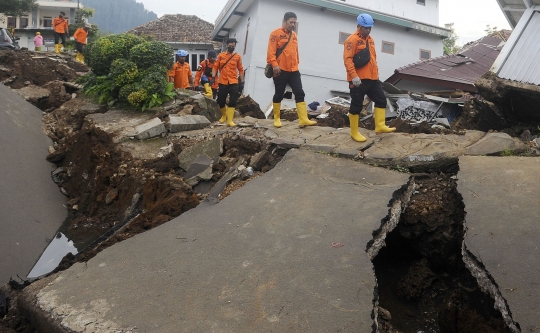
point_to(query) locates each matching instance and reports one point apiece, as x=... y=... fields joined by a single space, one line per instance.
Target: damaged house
x=404 y=32
x=181 y=32
x=514 y=79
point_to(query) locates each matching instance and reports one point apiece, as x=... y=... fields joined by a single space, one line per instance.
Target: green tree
x=489 y=30
x=17 y=7
x=449 y=44
x=81 y=16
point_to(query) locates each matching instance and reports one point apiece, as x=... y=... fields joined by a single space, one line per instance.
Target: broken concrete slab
x=33 y=93
x=211 y=148
x=287 y=143
x=320 y=147
x=494 y=143
x=186 y=123
x=259 y=160
x=150 y=129
x=501 y=200
x=31 y=206
x=206 y=107
x=119 y=123
x=273 y=266
x=200 y=169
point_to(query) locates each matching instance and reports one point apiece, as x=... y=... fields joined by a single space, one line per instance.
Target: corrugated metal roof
x=514 y=9
x=461 y=69
x=523 y=62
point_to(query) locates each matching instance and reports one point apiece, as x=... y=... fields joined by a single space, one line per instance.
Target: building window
x=425 y=54
x=202 y=57
x=343 y=37
x=24 y=22
x=194 y=62
x=421 y=2
x=387 y=47
x=47 y=22
x=246 y=39
x=12 y=22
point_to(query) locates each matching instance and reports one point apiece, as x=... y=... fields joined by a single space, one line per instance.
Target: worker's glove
x=212 y=81
x=356 y=81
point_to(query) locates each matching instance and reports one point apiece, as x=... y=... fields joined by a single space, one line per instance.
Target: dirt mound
x=21 y=68
x=248 y=107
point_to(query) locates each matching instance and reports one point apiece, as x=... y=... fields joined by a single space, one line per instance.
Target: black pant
x=58 y=36
x=214 y=93
x=223 y=91
x=295 y=82
x=79 y=47
x=372 y=88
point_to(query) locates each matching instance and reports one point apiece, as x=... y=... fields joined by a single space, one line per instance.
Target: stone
x=111 y=196
x=287 y=143
x=150 y=129
x=211 y=148
x=206 y=107
x=493 y=143
x=186 y=110
x=319 y=147
x=271 y=134
x=200 y=169
x=525 y=137
x=186 y=123
x=259 y=160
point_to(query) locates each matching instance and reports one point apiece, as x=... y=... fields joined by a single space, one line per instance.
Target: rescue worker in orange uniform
x=286 y=69
x=364 y=80
x=80 y=38
x=60 y=26
x=181 y=74
x=204 y=75
x=229 y=65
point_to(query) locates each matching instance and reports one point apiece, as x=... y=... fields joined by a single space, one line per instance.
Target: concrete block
x=150 y=129
x=186 y=123
x=288 y=143
x=492 y=143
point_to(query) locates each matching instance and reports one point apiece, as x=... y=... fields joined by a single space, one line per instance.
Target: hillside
x=119 y=15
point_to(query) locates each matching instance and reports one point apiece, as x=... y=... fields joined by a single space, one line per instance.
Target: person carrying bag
x=269 y=70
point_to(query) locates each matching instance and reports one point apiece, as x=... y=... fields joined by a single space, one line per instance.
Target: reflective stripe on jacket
x=181 y=74
x=228 y=74
x=353 y=45
x=289 y=59
x=60 y=25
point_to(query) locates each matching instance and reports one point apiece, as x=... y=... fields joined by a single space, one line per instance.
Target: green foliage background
x=128 y=69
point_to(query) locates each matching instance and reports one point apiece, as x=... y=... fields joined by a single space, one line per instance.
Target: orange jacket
x=353 y=45
x=80 y=35
x=288 y=60
x=228 y=73
x=200 y=71
x=181 y=74
x=60 y=25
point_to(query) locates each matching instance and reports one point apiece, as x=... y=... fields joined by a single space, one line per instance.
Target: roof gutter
x=224 y=16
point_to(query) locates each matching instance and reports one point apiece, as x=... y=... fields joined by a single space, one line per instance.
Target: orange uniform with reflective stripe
x=288 y=60
x=80 y=35
x=181 y=74
x=228 y=73
x=200 y=71
x=60 y=25
x=353 y=45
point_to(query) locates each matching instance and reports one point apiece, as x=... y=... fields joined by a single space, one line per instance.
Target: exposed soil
x=423 y=284
x=21 y=68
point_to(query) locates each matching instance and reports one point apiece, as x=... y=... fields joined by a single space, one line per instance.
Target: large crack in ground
x=427 y=281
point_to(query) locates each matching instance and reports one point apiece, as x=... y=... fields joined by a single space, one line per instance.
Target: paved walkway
x=31 y=207
x=502 y=201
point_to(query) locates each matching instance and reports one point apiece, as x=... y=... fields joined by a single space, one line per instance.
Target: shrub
x=128 y=69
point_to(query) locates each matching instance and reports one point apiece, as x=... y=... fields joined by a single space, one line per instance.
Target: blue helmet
x=365 y=20
x=182 y=53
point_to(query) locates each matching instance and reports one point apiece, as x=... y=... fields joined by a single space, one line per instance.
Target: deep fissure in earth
x=423 y=282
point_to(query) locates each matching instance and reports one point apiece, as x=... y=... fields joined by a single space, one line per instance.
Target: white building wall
x=321 y=55
x=410 y=9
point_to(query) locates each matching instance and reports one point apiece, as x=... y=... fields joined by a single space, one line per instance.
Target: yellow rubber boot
x=353 y=119
x=277 y=113
x=81 y=58
x=303 y=120
x=379 y=115
x=56 y=50
x=223 y=115
x=230 y=116
x=59 y=48
x=208 y=90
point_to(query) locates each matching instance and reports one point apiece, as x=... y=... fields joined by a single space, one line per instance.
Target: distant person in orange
x=204 y=75
x=229 y=65
x=181 y=74
x=60 y=26
x=38 y=41
x=285 y=67
x=80 y=38
x=360 y=61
